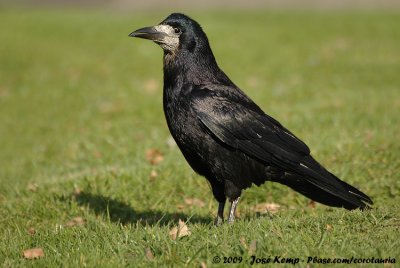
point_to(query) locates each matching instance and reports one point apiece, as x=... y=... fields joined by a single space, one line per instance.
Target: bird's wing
x=240 y=124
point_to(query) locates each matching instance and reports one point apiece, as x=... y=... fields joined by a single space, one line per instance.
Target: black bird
x=224 y=135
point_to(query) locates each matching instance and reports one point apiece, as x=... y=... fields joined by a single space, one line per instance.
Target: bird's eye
x=177 y=30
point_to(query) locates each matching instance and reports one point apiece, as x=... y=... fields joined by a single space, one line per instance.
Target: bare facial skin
x=170 y=42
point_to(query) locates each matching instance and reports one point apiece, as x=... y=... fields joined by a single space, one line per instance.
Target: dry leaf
x=77 y=191
x=32 y=187
x=203 y=264
x=153 y=175
x=180 y=231
x=387 y=265
x=154 y=156
x=252 y=247
x=149 y=254
x=180 y=206
x=77 y=221
x=31 y=231
x=329 y=227
x=266 y=208
x=311 y=204
x=33 y=253
x=194 y=202
x=238 y=212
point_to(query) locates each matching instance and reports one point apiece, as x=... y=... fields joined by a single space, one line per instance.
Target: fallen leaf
x=31 y=231
x=32 y=187
x=154 y=156
x=149 y=254
x=238 y=213
x=33 y=253
x=266 y=208
x=311 y=204
x=252 y=247
x=77 y=191
x=194 y=202
x=77 y=221
x=153 y=175
x=329 y=227
x=203 y=264
x=180 y=206
x=180 y=231
x=387 y=265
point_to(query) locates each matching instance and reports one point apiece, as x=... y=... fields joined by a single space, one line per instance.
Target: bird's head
x=176 y=33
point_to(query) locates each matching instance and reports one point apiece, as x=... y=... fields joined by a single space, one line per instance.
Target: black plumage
x=224 y=135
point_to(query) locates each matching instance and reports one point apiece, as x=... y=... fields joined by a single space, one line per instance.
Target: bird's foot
x=218 y=221
x=232 y=211
x=220 y=214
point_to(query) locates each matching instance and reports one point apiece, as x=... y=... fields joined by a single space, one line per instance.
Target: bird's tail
x=322 y=186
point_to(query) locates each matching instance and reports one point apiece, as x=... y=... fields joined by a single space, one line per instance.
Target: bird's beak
x=151 y=33
x=163 y=35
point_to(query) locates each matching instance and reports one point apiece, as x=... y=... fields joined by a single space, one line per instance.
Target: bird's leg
x=232 y=211
x=220 y=214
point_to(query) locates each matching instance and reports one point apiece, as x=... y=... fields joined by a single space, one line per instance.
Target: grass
x=80 y=104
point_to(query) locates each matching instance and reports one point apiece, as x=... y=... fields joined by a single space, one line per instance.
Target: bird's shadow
x=121 y=212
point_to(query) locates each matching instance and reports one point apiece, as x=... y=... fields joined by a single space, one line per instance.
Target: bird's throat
x=169 y=58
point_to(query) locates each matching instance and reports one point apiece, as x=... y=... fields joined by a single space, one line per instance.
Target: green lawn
x=81 y=103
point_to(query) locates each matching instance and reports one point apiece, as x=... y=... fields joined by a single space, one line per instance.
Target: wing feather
x=249 y=131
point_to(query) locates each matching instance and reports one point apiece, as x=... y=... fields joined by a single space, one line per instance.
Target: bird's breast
x=180 y=121
x=183 y=124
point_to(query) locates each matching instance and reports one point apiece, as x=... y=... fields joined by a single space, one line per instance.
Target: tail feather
x=318 y=184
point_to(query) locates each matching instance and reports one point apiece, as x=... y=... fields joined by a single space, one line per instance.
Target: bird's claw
x=218 y=221
x=232 y=211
